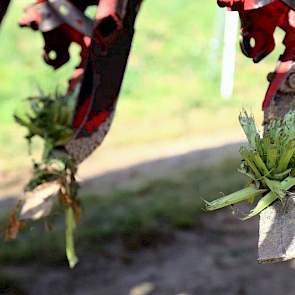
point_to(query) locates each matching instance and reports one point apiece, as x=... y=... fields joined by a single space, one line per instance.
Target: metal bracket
x=47 y=16
x=72 y=16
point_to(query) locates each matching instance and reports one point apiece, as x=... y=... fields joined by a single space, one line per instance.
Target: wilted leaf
x=13 y=225
x=38 y=203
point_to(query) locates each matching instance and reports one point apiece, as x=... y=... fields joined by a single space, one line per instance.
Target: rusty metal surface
x=284 y=98
x=277 y=222
x=101 y=87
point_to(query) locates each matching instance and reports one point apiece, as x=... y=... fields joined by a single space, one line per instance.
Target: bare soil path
x=218 y=257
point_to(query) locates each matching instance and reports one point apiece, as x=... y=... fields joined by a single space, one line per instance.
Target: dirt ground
x=217 y=257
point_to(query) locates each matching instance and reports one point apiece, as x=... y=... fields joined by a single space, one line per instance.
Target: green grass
x=136 y=218
x=10 y=285
x=168 y=83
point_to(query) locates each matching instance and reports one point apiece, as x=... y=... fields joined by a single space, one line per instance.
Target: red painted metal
x=109 y=20
x=259 y=20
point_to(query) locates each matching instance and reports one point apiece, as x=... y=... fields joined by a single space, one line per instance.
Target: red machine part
x=103 y=77
x=58 y=37
x=60 y=26
x=103 y=60
x=257 y=36
x=109 y=21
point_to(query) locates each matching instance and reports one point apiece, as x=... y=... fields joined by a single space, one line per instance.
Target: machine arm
x=3 y=9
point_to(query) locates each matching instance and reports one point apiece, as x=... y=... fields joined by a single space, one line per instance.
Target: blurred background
x=174 y=141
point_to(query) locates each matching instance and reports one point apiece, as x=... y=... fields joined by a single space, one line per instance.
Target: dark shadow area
x=136 y=175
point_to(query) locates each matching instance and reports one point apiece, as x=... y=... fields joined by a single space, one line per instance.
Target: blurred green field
x=168 y=83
